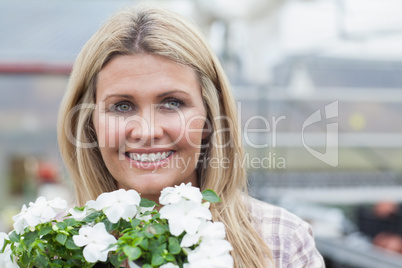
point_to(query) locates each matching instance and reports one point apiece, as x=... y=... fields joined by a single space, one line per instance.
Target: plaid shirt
x=289 y=238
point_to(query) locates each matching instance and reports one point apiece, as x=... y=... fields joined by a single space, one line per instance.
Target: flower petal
x=191 y=225
x=58 y=203
x=189 y=240
x=114 y=213
x=80 y=240
x=175 y=227
x=92 y=253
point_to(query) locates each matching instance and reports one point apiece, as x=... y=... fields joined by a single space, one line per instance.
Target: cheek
x=194 y=132
x=109 y=132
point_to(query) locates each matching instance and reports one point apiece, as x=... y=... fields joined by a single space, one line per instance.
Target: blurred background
x=318 y=85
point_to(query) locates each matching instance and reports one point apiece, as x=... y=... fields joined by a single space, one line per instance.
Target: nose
x=144 y=128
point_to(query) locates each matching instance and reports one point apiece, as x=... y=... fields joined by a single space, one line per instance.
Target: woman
x=149 y=106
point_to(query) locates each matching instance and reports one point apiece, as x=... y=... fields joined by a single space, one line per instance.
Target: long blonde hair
x=163 y=33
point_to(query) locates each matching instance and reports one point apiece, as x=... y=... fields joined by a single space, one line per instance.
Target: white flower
x=3 y=237
x=142 y=210
x=207 y=231
x=91 y=204
x=58 y=203
x=211 y=253
x=96 y=241
x=5 y=257
x=79 y=214
x=47 y=210
x=24 y=219
x=169 y=265
x=39 y=212
x=118 y=204
x=185 y=216
x=173 y=195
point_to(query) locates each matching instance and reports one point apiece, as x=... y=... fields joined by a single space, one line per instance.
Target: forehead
x=145 y=68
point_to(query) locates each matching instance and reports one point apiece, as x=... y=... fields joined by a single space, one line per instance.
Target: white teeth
x=152 y=157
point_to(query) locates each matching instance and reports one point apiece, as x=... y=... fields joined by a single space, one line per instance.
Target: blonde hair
x=162 y=33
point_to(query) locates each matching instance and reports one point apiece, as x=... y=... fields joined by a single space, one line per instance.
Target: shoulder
x=273 y=217
x=290 y=238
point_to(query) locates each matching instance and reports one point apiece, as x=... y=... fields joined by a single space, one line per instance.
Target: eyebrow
x=171 y=92
x=128 y=96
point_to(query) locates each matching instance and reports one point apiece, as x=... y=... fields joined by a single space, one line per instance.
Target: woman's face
x=149 y=120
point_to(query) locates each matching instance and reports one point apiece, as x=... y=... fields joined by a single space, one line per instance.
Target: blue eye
x=172 y=104
x=123 y=107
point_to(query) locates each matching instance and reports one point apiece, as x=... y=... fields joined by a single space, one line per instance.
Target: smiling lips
x=149 y=158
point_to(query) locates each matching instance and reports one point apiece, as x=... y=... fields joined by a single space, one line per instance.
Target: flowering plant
x=119 y=229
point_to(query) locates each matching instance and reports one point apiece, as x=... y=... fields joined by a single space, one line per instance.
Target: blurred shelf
x=342 y=252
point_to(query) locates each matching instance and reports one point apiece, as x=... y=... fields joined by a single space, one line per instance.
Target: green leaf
x=41 y=261
x=70 y=222
x=77 y=258
x=174 y=246
x=61 y=225
x=173 y=241
x=123 y=224
x=135 y=223
x=170 y=258
x=91 y=217
x=4 y=246
x=210 y=196
x=70 y=244
x=147 y=266
x=157 y=260
x=14 y=237
x=25 y=258
x=61 y=238
x=153 y=246
x=30 y=237
x=162 y=239
x=41 y=246
x=148 y=235
x=156 y=215
x=114 y=259
x=137 y=241
x=144 y=244
x=174 y=249
x=147 y=203
x=58 y=263
x=110 y=226
x=132 y=253
x=45 y=230
x=158 y=228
